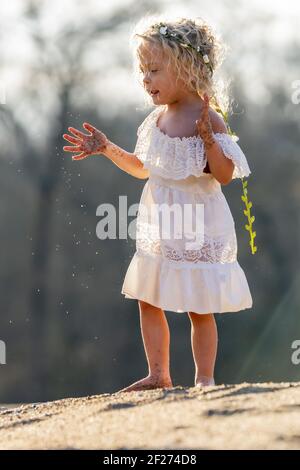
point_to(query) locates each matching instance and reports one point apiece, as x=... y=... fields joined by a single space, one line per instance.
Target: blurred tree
x=57 y=83
x=57 y=67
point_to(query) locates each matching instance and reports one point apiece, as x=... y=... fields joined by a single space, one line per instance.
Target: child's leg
x=156 y=339
x=204 y=338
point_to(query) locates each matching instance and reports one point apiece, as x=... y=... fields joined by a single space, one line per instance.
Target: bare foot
x=205 y=382
x=148 y=383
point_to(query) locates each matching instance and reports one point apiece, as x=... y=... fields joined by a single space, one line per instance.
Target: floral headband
x=164 y=31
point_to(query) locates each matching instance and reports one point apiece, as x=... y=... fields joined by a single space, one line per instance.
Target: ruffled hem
x=217 y=288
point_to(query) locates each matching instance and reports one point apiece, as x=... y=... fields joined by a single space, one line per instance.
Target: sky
x=257 y=52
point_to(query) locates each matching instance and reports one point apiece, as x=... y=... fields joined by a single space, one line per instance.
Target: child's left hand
x=204 y=124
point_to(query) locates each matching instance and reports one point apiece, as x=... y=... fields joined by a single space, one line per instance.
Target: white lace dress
x=168 y=270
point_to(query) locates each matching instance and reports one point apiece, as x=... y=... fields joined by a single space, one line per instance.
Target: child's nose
x=146 y=78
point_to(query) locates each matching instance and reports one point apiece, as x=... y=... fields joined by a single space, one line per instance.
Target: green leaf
x=253 y=234
x=243 y=198
x=247 y=227
x=250 y=205
x=252 y=218
x=245 y=212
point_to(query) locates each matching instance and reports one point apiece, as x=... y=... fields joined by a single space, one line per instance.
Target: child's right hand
x=91 y=144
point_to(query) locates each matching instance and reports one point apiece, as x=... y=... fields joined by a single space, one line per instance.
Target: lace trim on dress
x=221 y=249
x=180 y=157
x=233 y=151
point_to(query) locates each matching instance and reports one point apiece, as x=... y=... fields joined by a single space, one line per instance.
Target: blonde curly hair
x=186 y=61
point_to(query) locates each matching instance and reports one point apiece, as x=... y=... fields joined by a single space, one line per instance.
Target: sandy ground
x=243 y=416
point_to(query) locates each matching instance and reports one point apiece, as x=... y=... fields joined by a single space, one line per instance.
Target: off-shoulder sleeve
x=141 y=145
x=233 y=151
x=143 y=135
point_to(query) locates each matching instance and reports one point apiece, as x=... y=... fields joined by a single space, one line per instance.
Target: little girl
x=185 y=151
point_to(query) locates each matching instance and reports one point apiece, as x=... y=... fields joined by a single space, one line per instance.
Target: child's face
x=158 y=76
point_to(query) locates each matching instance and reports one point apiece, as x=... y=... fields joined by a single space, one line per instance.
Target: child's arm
x=97 y=143
x=220 y=166
x=126 y=161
